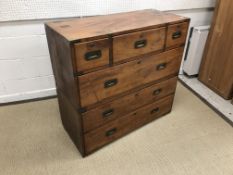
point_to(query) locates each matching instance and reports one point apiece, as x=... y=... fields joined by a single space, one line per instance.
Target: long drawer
x=111 y=110
x=121 y=126
x=99 y=85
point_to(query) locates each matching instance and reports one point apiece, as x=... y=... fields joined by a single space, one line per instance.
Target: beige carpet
x=192 y=140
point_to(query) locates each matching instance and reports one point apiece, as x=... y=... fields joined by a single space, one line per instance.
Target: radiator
x=196 y=44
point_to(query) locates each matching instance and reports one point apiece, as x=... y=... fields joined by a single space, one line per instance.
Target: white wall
x=43 y=9
x=25 y=68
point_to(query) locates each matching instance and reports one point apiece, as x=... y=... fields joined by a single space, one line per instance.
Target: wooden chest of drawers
x=115 y=73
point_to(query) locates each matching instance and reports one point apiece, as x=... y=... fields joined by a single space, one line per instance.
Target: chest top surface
x=102 y=26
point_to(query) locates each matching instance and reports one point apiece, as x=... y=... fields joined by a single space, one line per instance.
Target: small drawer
x=176 y=35
x=92 y=54
x=137 y=43
x=121 y=126
x=99 y=85
x=117 y=108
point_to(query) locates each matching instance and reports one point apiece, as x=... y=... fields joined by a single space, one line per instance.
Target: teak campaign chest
x=115 y=73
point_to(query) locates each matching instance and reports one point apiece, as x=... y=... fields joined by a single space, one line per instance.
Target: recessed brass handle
x=157 y=91
x=154 y=111
x=110 y=83
x=176 y=35
x=111 y=132
x=108 y=113
x=140 y=44
x=89 y=56
x=161 y=66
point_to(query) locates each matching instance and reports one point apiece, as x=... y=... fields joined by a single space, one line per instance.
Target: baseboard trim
x=222 y=115
x=25 y=97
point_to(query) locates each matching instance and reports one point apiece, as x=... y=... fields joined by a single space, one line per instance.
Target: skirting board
x=223 y=107
x=27 y=96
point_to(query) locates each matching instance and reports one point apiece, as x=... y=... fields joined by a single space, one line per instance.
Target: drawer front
x=92 y=54
x=99 y=85
x=134 y=44
x=176 y=35
x=121 y=126
x=117 y=108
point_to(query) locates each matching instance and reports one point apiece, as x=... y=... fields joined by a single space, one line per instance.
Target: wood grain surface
x=217 y=66
x=89 y=55
x=61 y=58
x=137 y=43
x=128 y=76
x=176 y=35
x=102 y=26
x=111 y=110
x=114 y=73
x=126 y=124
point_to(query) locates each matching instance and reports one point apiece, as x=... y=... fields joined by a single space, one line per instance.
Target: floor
x=221 y=105
x=191 y=140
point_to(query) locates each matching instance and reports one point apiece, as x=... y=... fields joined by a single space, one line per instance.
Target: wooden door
x=217 y=66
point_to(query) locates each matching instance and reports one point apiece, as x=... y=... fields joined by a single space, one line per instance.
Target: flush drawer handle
x=140 y=44
x=157 y=91
x=108 y=113
x=93 y=55
x=111 y=132
x=161 y=66
x=154 y=111
x=110 y=83
x=176 y=35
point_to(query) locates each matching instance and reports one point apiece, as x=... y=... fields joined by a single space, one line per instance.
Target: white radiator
x=195 y=48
